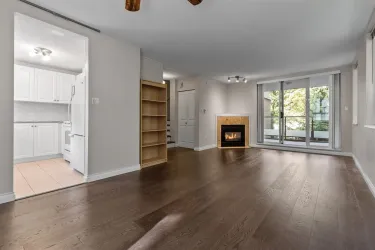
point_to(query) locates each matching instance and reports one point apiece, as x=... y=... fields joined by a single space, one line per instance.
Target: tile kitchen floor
x=43 y=176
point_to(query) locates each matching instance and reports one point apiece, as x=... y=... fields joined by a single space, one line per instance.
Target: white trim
x=171 y=145
x=37 y=158
x=300 y=77
x=7 y=197
x=205 y=147
x=370 y=126
x=105 y=175
x=302 y=150
x=364 y=175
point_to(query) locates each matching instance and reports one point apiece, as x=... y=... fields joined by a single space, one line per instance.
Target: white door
x=45 y=86
x=64 y=84
x=23 y=83
x=46 y=139
x=23 y=140
x=186 y=119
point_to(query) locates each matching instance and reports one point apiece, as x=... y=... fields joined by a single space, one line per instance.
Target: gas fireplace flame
x=230 y=136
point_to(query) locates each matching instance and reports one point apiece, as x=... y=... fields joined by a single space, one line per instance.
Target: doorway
x=299 y=112
x=186 y=119
x=50 y=107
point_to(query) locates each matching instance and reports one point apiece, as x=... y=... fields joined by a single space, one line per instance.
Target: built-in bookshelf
x=153 y=123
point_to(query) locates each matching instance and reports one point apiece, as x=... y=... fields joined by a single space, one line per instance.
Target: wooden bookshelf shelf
x=154 y=115
x=153 y=123
x=154 y=130
x=149 y=100
x=147 y=145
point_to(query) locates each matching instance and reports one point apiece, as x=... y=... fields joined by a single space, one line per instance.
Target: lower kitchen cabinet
x=23 y=140
x=46 y=140
x=35 y=139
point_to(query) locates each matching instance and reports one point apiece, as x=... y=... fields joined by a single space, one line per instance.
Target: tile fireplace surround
x=233 y=119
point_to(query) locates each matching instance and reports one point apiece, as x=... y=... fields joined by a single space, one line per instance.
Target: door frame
x=332 y=111
x=178 y=119
x=86 y=68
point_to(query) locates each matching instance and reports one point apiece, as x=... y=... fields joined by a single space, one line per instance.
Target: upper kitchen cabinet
x=38 y=85
x=24 y=78
x=45 y=86
x=64 y=87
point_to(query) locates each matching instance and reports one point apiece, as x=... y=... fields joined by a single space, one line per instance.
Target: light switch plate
x=95 y=100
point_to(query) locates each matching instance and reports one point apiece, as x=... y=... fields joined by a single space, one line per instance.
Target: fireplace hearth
x=232 y=135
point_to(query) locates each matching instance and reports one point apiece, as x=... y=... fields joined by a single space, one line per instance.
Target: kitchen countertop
x=38 y=121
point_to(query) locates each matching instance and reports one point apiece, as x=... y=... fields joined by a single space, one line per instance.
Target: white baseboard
x=364 y=175
x=205 y=147
x=172 y=145
x=8 y=197
x=37 y=158
x=105 y=175
x=303 y=150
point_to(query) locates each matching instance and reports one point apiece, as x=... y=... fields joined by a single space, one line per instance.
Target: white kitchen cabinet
x=23 y=140
x=64 y=87
x=24 y=78
x=45 y=86
x=46 y=141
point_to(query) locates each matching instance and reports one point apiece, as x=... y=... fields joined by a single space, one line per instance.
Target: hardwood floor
x=214 y=199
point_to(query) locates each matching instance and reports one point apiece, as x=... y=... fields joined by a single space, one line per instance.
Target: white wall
x=213 y=100
x=114 y=73
x=32 y=111
x=151 y=70
x=242 y=98
x=364 y=138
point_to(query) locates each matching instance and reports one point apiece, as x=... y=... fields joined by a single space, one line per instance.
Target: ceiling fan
x=135 y=5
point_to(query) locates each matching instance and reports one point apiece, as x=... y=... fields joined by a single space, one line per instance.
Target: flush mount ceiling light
x=135 y=5
x=237 y=79
x=39 y=51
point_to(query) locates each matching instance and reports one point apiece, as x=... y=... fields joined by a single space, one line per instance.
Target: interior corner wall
x=364 y=138
x=114 y=73
x=151 y=70
x=213 y=100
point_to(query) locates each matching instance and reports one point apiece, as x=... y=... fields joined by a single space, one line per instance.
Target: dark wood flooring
x=215 y=199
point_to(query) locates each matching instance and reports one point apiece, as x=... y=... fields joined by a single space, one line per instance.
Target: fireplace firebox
x=232 y=135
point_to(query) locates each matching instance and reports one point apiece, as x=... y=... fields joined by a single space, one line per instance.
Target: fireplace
x=232 y=135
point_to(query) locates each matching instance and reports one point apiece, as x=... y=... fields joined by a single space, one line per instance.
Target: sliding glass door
x=298 y=112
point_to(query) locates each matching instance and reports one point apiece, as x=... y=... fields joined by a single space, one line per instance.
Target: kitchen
x=50 y=88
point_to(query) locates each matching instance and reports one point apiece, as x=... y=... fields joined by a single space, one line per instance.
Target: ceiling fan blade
x=133 y=5
x=195 y=2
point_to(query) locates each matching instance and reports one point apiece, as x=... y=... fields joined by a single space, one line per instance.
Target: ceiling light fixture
x=237 y=78
x=39 y=51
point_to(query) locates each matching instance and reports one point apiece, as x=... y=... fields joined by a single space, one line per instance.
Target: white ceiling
x=68 y=49
x=253 y=38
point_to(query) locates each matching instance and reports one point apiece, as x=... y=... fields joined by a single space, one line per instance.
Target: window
x=355 y=94
x=370 y=89
x=300 y=112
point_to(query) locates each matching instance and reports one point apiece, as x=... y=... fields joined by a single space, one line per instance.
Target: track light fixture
x=237 y=79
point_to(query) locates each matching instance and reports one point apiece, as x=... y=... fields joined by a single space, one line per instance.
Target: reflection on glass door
x=320 y=111
x=271 y=118
x=294 y=112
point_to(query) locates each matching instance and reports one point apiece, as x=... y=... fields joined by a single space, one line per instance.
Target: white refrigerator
x=77 y=119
